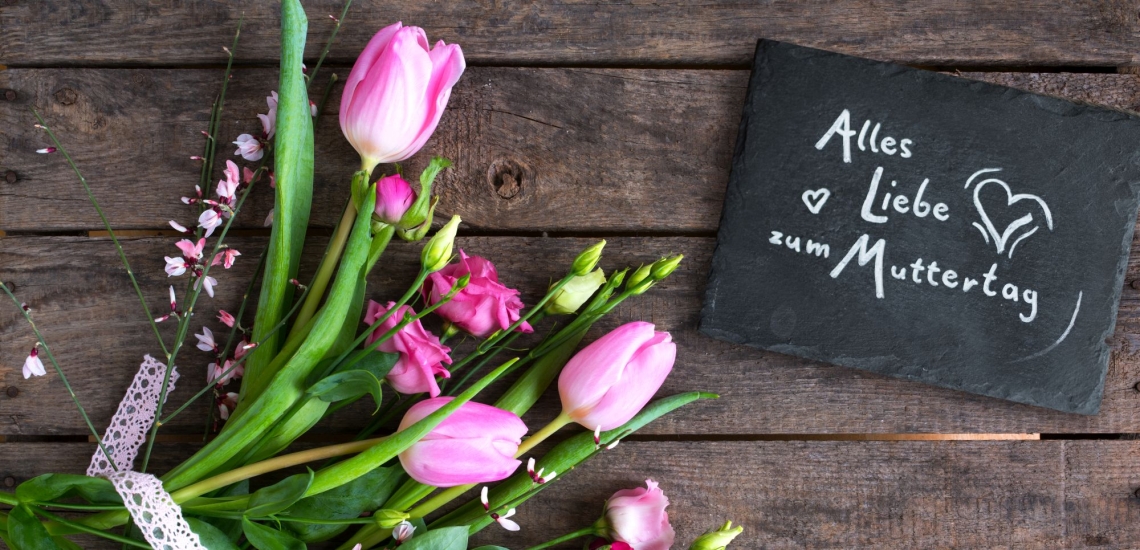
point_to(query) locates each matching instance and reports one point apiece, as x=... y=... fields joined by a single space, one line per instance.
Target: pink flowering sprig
x=34 y=355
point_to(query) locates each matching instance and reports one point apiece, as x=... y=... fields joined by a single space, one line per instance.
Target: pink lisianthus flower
x=608 y=382
x=476 y=444
x=637 y=517
x=481 y=308
x=396 y=92
x=421 y=354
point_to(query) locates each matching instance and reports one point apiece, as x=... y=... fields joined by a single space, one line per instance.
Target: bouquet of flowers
x=308 y=350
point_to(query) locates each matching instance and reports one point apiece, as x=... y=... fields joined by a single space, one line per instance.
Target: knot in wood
x=9 y=481
x=66 y=96
x=507 y=177
x=10 y=176
x=12 y=391
x=10 y=95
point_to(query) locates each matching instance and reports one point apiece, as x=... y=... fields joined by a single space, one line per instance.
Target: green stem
x=9 y=499
x=58 y=370
x=561 y=421
x=89 y=530
x=325 y=52
x=332 y=257
x=107 y=226
x=564 y=538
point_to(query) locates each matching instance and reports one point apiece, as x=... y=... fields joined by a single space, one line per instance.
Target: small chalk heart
x=814 y=199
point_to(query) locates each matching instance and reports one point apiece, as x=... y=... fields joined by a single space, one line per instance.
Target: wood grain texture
x=939 y=32
x=597 y=150
x=818 y=494
x=82 y=301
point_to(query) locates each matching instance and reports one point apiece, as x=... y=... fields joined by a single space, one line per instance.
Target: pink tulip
x=421 y=355
x=610 y=380
x=396 y=92
x=476 y=444
x=637 y=517
x=481 y=308
x=394 y=196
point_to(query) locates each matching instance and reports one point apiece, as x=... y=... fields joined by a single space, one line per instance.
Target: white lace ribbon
x=155 y=513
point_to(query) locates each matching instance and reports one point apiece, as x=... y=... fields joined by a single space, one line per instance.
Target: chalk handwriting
x=865 y=141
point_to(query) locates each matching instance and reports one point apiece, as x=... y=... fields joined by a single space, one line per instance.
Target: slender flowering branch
x=106 y=225
x=47 y=351
x=332 y=37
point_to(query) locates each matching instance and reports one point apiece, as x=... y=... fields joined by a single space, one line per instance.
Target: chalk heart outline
x=1000 y=240
x=814 y=199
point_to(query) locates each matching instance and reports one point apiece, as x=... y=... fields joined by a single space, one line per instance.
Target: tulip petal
x=360 y=69
x=643 y=376
x=451 y=462
x=594 y=370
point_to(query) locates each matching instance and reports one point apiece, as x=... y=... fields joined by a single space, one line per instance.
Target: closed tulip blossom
x=421 y=354
x=476 y=444
x=481 y=308
x=610 y=380
x=394 y=196
x=637 y=517
x=396 y=92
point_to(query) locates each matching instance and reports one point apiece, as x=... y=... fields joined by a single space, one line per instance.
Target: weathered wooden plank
x=820 y=494
x=83 y=303
x=596 y=150
x=942 y=32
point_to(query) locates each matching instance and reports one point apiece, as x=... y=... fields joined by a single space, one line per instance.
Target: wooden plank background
x=575 y=121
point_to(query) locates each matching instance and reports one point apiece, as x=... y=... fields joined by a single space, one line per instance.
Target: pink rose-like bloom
x=396 y=92
x=421 y=355
x=611 y=379
x=481 y=308
x=637 y=517
x=394 y=196
x=476 y=444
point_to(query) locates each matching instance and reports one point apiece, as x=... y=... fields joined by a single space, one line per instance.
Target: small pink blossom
x=421 y=354
x=226 y=405
x=269 y=218
x=175 y=266
x=221 y=375
x=247 y=175
x=178 y=227
x=208 y=283
x=226 y=258
x=269 y=120
x=225 y=317
x=227 y=188
x=190 y=250
x=206 y=340
x=33 y=366
x=401 y=532
x=46 y=151
x=249 y=147
x=481 y=308
x=508 y=524
x=209 y=220
x=243 y=347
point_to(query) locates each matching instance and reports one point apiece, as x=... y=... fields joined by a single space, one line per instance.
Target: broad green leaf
x=279 y=496
x=561 y=459
x=267 y=538
x=367 y=492
x=293 y=168
x=50 y=487
x=348 y=385
x=26 y=531
x=230 y=527
x=211 y=537
x=448 y=538
x=377 y=362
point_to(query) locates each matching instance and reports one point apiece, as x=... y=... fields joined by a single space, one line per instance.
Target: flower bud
x=575 y=293
x=420 y=231
x=637 y=517
x=476 y=444
x=663 y=267
x=394 y=196
x=424 y=207
x=437 y=252
x=638 y=277
x=389 y=519
x=588 y=259
x=717 y=539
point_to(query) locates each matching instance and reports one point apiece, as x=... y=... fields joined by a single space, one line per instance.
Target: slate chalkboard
x=927 y=227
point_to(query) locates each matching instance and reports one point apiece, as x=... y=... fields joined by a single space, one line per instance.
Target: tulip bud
x=575 y=293
x=663 y=267
x=437 y=252
x=396 y=93
x=476 y=444
x=588 y=259
x=717 y=539
x=394 y=197
x=610 y=380
x=389 y=519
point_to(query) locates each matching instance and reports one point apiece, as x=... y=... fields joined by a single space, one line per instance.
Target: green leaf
x=367 y=492
x=50 y=487
x=26 y=531
x=377 y=362
x=563 y=457
x=448 y=538
x=293 y=169
x=347 y=385
x=279 y=496
x=489 y=547
x=68 y=545
x=230 y=527
x=267 y=538
x=211 y=537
